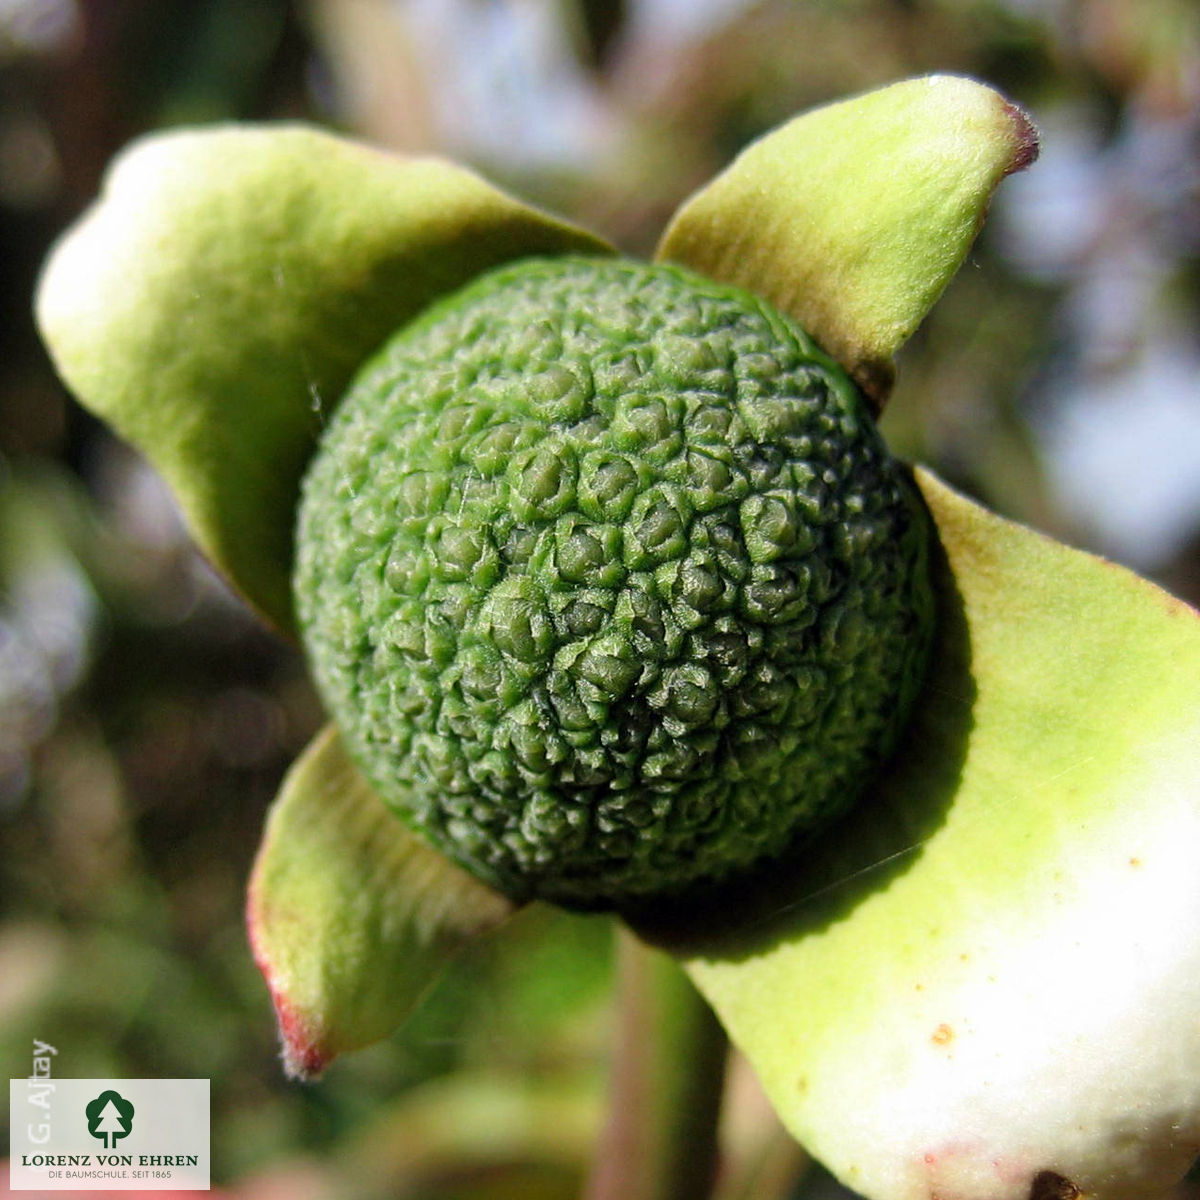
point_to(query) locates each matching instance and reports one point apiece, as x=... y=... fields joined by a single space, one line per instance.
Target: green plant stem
x=660 y=1140
x=772 y=1173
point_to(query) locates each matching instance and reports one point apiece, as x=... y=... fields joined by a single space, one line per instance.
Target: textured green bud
x=609 y=581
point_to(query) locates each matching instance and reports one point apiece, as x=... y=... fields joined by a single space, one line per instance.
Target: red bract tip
x=303 y=1057
x=1029 y=141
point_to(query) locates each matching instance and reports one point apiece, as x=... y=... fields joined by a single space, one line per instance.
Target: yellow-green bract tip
x=852 y=218
x=350 y=914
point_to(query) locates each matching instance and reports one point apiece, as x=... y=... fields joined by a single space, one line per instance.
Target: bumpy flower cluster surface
x=609 y=580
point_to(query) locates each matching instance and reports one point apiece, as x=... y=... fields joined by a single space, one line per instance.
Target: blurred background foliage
x=146 y=719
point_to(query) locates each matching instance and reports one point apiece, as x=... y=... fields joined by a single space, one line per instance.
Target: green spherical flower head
x=609 y=582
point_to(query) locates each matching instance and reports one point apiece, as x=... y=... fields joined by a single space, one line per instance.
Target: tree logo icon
x=109 y=1117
